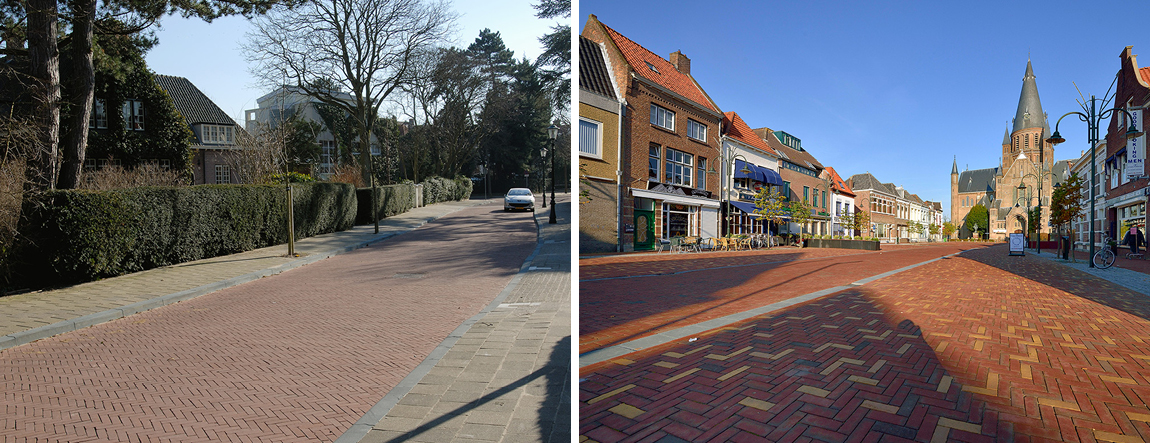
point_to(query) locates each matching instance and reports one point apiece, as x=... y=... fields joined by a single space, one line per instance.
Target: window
x=678 y=167
x=653 y=163
x=326 y=156
x=679 y=220
x=824 y=199
x=661 y=116
x=590 y=138
x=223 y=174
x=786 y=191
x=133 y=111
x=806 y=193
x=99 y=118
x=696 y=130
x=702 y=176
x=815 y=199
x=217 y=134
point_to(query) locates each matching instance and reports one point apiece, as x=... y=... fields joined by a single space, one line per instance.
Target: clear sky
x=897 y=89
x=209 y=54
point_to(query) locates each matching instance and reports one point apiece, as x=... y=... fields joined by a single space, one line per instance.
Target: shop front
x=666 y=211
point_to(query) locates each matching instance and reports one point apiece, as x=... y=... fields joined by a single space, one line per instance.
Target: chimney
x=681 y=62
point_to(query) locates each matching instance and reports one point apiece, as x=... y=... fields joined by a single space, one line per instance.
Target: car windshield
x=518 y=192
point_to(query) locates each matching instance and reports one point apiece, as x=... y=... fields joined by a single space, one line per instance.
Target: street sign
x=1017 y=244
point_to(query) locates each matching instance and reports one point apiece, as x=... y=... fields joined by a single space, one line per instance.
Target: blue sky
x=896 y=89
x=209 y=54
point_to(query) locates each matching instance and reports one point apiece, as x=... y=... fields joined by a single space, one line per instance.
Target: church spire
x=954 y=167
x=1005 y=136
x=1029 y=113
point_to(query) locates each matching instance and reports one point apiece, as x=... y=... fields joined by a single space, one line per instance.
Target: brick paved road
x=979 y=347
x=620 y=300
x=294 y=357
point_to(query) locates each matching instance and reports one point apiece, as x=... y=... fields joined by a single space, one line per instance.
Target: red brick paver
x=294 y=357
x=629 y=297
x=980 y=347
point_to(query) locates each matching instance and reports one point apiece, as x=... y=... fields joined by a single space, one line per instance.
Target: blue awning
x=771 y=177
x=749 y=208
x=757 y=173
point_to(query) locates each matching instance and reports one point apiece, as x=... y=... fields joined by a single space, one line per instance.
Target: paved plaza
x=302 y=355
x=961 y=345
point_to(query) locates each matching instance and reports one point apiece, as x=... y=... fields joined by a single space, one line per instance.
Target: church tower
x=1027 y=158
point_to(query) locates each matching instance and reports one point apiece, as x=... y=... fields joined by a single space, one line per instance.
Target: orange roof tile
x=1145 y=73
x=664 y=73
x=737 y=129
x=838 y=183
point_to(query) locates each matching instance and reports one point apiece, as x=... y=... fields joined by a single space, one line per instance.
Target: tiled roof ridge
x=738 y=126
x=665 y=65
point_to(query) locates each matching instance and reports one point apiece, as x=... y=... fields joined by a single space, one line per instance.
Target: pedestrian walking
x=1134 y=239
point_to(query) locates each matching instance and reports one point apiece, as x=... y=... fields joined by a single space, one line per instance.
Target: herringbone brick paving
x=616 y=306
x=293 y=357
x=979 y=347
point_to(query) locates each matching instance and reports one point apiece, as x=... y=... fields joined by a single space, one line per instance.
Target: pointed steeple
x=1005 y=136
x=1029 y=113
x=954 y=167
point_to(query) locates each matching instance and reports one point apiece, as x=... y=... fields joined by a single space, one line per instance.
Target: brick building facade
x=670 y=137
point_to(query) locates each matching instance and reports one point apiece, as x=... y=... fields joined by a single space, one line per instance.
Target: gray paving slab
x=515 y=360
x=35 y=315
x=1123 y=277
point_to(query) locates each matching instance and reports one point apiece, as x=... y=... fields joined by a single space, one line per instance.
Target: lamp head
x=1133 y=133
x=1055 y=138
x=552 y=132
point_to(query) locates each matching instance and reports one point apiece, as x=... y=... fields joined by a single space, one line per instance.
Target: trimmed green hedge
x=73 y=236
x=439 y=189
x=390 y=200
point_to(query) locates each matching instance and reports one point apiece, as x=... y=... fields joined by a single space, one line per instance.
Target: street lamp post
x=552 y=133
x=725 y=186
x=1093 y=117
x=1017 y=204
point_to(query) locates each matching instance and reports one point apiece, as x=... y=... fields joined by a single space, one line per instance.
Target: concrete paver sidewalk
x=32 y=316
x=502 y=376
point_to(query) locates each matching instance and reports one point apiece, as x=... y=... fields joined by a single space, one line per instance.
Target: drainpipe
x=619 y=222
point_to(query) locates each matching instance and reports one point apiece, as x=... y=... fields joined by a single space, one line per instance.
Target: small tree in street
x=862 y=221
x=847 y=221
x=1066 y=203
x=771 y=206
x=801 y=214
x=977 y=217
x=948 y=229
x=932 y=229
x=916 y=228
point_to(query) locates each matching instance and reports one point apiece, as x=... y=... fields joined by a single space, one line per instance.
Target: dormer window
x=217 y=134
x=649 y=65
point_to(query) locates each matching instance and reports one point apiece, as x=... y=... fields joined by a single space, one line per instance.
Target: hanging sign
x=1136 y=148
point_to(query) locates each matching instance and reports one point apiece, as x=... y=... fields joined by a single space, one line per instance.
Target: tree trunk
x=43 y=168
x=82 y=75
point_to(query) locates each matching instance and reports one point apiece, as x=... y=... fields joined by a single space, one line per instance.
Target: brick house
x=803 y=179
x=599 y=151
x=1125 y=180
x=842 y=204
x=878 y=200
x=215 y=132
x=670 y=137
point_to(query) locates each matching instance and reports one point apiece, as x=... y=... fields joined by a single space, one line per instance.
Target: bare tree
x=259 y=156
x=350 y=54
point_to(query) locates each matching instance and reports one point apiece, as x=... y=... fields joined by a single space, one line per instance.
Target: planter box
x=867 y=245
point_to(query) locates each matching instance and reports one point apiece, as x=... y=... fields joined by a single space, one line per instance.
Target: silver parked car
x=519 y=198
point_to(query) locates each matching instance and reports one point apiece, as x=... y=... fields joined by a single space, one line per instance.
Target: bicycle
x=1104 y=258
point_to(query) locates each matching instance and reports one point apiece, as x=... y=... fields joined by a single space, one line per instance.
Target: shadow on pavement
x=1066 y=279
x=552 y=416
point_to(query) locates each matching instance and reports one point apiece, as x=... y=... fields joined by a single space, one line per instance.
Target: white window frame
x=693 y=127
x=662 y=117
x=598 y=154
x=678 y=167
x=133 y=111
x=217 y=134
x=223 y=174
x=327 y=156
x=99 y=118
